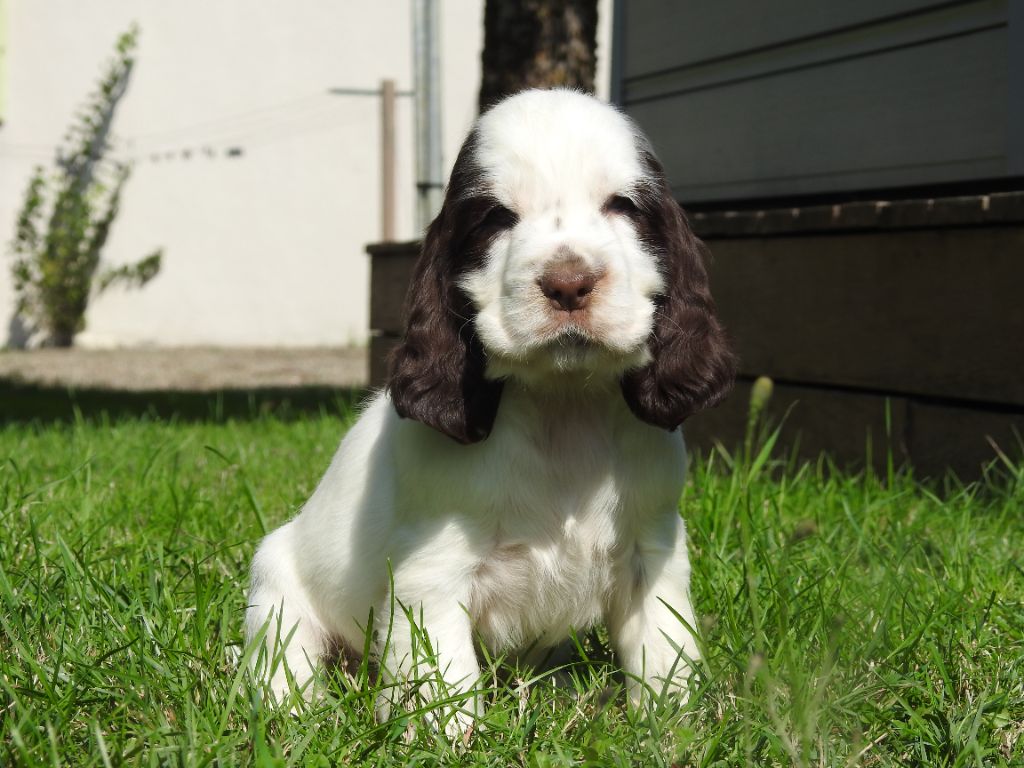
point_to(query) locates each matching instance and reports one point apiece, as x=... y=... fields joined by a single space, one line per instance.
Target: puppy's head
x=559 y=251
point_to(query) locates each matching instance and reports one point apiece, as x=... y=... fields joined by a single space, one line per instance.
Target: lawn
x=847 y=619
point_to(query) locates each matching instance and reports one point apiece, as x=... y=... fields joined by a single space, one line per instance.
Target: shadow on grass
x=20 y=403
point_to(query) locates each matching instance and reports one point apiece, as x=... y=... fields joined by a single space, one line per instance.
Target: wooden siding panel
x=923 y=115
x=798 y=97
x=661 y=34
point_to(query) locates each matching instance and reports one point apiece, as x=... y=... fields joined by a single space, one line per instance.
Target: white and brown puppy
x=521 y=474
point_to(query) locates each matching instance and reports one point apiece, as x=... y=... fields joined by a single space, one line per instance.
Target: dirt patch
x=186 y=369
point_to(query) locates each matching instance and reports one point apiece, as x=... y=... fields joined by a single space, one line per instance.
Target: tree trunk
x=537 y=44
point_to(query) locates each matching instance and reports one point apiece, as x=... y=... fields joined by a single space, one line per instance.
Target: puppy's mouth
x=574 y=339
x=573 y=348
x=575 y=342
x=568 y=351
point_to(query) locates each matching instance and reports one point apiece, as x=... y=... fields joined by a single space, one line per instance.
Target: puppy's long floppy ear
x=692 y=366
x=437 y=372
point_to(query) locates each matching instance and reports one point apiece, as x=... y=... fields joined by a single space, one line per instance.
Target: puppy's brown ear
x=692 y=366
x=437 y=371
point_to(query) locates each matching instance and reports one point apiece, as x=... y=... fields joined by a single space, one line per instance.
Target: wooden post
x=387 y=161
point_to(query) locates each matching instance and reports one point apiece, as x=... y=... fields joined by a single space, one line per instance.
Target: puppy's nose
x=568 y=286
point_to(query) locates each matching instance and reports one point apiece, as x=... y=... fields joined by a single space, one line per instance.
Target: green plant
x=57 y=247
x=845 y=619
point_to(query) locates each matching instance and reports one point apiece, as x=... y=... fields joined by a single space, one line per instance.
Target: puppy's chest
x=558 y=529
x=549 y=568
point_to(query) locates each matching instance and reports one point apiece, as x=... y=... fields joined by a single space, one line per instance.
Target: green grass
x=846 y=619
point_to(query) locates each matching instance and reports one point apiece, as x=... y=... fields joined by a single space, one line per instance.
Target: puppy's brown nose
x=567 y=286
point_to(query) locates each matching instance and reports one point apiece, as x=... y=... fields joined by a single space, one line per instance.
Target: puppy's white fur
x=567 y=514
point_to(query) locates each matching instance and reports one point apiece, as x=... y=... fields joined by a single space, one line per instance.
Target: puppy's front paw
x=458 y=720
x=459 y=727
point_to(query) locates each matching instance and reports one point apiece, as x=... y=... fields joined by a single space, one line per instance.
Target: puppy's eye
x=498 y=218
x=620 y=204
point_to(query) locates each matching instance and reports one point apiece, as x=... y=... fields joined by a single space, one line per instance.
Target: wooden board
x=936 y=313
x=380 y=347
x=390 y=273
x=852 y=428
x=848 y=426
x=963 y=440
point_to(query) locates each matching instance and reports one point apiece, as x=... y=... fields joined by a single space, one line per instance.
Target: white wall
x=262 y=249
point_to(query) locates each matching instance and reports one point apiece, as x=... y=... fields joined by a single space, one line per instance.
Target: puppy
x=520 y=476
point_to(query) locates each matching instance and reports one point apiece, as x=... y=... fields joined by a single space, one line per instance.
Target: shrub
x=57 y=246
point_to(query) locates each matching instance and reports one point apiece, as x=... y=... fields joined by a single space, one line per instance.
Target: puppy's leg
x=426 y=648
x=295 y=638
x=650 y=618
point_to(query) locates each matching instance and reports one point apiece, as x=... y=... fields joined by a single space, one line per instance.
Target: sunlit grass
x=847 y=619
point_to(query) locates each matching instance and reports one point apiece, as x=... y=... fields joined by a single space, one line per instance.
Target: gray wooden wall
x=752 y=99
x=899 y=323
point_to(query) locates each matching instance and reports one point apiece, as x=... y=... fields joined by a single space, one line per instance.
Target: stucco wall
x=263 y=248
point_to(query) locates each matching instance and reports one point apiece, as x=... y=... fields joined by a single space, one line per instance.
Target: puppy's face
x=566 y=281
x=559 y=249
